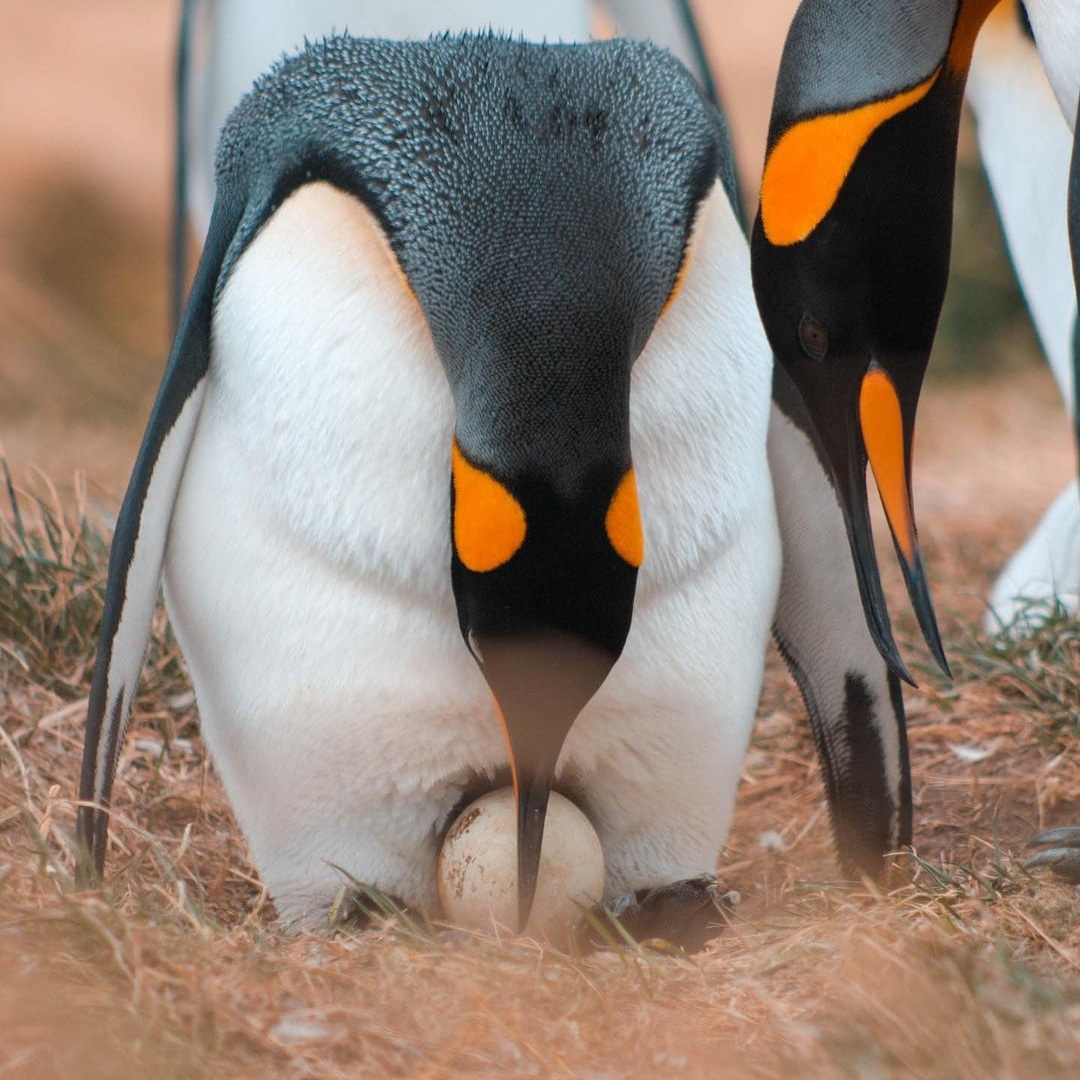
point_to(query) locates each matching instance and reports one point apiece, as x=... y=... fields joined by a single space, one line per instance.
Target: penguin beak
x=882 y=438
x=544 y=571
x=887 y=436
x=540 y=682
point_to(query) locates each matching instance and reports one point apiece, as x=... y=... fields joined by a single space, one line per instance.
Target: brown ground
x=966 y=970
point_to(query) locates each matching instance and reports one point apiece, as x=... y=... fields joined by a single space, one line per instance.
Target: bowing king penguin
x=850 y=253
x=851 y=242
x=457 y=474
x=852 y=698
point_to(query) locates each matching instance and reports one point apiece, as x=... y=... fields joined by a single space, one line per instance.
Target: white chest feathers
x=307 y=572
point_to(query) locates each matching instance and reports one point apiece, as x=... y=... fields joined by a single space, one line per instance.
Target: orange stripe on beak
x=883 y=435
x=509 y=751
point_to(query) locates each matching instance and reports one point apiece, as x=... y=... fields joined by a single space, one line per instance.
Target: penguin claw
x=686 y=914
x=1061 y=855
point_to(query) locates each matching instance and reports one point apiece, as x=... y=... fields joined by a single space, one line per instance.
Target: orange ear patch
x=811 y=160
x=883 y=435
x=489 y=523
x=623 y=521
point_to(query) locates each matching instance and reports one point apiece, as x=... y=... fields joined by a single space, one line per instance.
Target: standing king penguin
x=1025 y=145
x=458 y=472
x=851 y=243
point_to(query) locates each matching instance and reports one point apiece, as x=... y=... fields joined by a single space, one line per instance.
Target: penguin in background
x=1047 y=566
x=1025 y=145
x=397 y=472
x=851 y=241
x=850 y=248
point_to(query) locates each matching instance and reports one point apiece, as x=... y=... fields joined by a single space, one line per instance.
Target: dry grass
x=964 y=966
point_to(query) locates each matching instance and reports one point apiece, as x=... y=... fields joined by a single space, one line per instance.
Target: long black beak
x=544 y=586
x=873 y=427
x=540 y=682
x=887 y=437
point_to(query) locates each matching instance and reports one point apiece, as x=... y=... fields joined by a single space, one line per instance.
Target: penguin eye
x=813 y=340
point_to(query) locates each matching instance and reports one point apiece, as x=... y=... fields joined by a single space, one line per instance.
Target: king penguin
x=848 y=277
x=850 y=251
x=1025 y=145
x=851 y=243
x=457 y=473
x=852 y=699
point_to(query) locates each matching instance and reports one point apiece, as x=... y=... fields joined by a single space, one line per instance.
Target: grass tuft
x=1038 y=669
x=53 y=571
x=52 y=588
x=176 y=968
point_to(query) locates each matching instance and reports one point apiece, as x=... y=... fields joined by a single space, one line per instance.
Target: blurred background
x=86 y=126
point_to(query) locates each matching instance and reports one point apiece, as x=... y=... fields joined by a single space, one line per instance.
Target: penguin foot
x=1061 y=854
x=687 y=914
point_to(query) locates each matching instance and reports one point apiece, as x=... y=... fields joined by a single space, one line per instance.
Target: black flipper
x=138 y=549
x=703 y=72
x=1074 y=241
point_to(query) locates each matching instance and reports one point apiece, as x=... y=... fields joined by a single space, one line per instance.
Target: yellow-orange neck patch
x=623 y=521
x=883 y=435
x=810 y=162
x=973 y=13
x=489 y=523
x=680 y=277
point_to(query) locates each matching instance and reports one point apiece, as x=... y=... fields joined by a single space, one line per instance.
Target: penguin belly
x=655 y=757
x=336 y=698
x=307 y=578
x=306 y=572
x=663 y=741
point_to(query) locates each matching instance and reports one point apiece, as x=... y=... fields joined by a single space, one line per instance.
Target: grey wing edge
x=135 y=560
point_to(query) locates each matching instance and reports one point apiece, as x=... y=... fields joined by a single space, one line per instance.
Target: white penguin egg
x=477 y=870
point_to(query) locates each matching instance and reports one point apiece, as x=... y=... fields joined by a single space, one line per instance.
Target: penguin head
x=563 y=234
x=850 y=313
x=538 y=201
x=850 y=252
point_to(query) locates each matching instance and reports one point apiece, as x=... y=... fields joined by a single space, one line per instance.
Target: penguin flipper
x=1074 y=245
x=137 y=552
x=853 y=700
